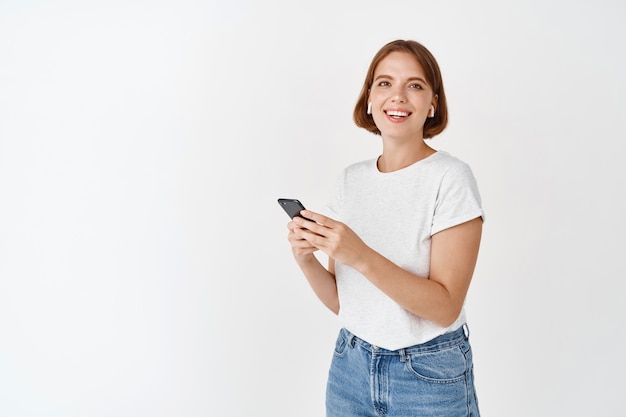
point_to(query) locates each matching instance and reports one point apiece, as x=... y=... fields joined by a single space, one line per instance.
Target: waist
x=443 y=341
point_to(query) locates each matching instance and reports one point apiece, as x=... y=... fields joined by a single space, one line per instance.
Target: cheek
x=376 y=96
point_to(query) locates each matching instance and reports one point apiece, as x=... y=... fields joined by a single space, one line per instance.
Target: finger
x=317 y=217
x=295 y=237
x=305 y=225
x=302 y=246
x=314 y=239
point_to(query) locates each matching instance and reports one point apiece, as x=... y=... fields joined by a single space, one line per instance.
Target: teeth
x=397 y=113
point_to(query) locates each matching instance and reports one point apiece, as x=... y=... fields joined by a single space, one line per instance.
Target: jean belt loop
x=403 y=356
x=351 y=340
x=466 y=330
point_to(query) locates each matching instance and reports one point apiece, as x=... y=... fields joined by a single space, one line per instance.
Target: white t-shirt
x=396 y=214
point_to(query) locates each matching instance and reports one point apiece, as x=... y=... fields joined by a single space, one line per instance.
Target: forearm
x=321 y=281
x=421 y=296
x=438 y=298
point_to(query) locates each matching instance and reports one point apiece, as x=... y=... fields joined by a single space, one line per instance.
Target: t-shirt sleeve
x=333 y=208
x=458 y=200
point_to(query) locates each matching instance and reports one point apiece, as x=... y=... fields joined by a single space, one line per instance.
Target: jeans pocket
x=443 y=366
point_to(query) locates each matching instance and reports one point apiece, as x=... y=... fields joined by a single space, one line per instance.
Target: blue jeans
x=431 y=379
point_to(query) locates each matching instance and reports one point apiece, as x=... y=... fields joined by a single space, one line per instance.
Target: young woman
x=402 y=234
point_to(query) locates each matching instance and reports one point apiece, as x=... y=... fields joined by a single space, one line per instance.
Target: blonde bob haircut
x=433 y=126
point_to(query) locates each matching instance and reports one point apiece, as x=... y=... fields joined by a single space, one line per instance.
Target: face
x=400 y=96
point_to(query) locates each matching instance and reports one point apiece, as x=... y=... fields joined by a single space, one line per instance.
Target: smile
x=397 y=114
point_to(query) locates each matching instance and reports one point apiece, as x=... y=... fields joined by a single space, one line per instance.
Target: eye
x=416 y=86
x=384 y=84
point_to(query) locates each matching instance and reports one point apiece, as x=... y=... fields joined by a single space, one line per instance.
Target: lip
x=392 y=114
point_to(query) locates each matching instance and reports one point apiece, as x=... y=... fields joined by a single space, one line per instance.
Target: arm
x=321 y=280
x=440 y=298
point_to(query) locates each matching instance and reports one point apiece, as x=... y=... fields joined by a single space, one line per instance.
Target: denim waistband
x=443 y=341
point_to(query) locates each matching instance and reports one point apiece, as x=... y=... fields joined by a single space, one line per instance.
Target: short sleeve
x=333 y=208
x=458 y=199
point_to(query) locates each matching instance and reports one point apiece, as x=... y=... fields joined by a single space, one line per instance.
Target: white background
x=144 y=267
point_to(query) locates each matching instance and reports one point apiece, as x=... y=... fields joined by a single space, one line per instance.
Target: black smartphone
x=292 y=207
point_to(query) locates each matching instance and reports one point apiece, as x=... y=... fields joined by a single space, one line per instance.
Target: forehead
x=399 y=64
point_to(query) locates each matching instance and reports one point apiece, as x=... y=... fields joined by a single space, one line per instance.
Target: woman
x=402 y=236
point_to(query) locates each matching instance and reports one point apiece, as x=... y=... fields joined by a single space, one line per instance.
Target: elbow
x=448 y=316
x=333 y=306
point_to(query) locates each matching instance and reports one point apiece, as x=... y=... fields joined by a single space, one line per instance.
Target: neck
x=397 y=155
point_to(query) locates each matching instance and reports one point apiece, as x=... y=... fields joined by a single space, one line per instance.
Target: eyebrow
x=410 y=78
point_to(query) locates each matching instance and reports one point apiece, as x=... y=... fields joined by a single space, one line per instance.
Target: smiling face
x=400 y=96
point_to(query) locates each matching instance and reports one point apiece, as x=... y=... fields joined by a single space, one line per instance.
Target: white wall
x=144 y=267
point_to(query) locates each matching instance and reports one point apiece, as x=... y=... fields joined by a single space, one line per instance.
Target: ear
x=434 y=101
x=433 y=106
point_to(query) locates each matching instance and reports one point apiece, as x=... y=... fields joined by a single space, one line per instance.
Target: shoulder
x=359 y=169
x=444 y=164
x=366 y=165
x=447 y=160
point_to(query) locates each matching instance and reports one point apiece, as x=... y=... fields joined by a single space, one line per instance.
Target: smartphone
x=292 y=207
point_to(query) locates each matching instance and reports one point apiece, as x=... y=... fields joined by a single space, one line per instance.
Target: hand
x=302 y=250
x=332 y=237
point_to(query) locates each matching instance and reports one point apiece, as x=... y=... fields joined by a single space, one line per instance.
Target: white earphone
x=369 y=108
x=432 y=111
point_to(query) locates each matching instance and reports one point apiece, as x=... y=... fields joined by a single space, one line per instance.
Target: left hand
x=332 y=237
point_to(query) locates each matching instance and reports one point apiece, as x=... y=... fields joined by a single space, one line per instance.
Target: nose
x=398 y=97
